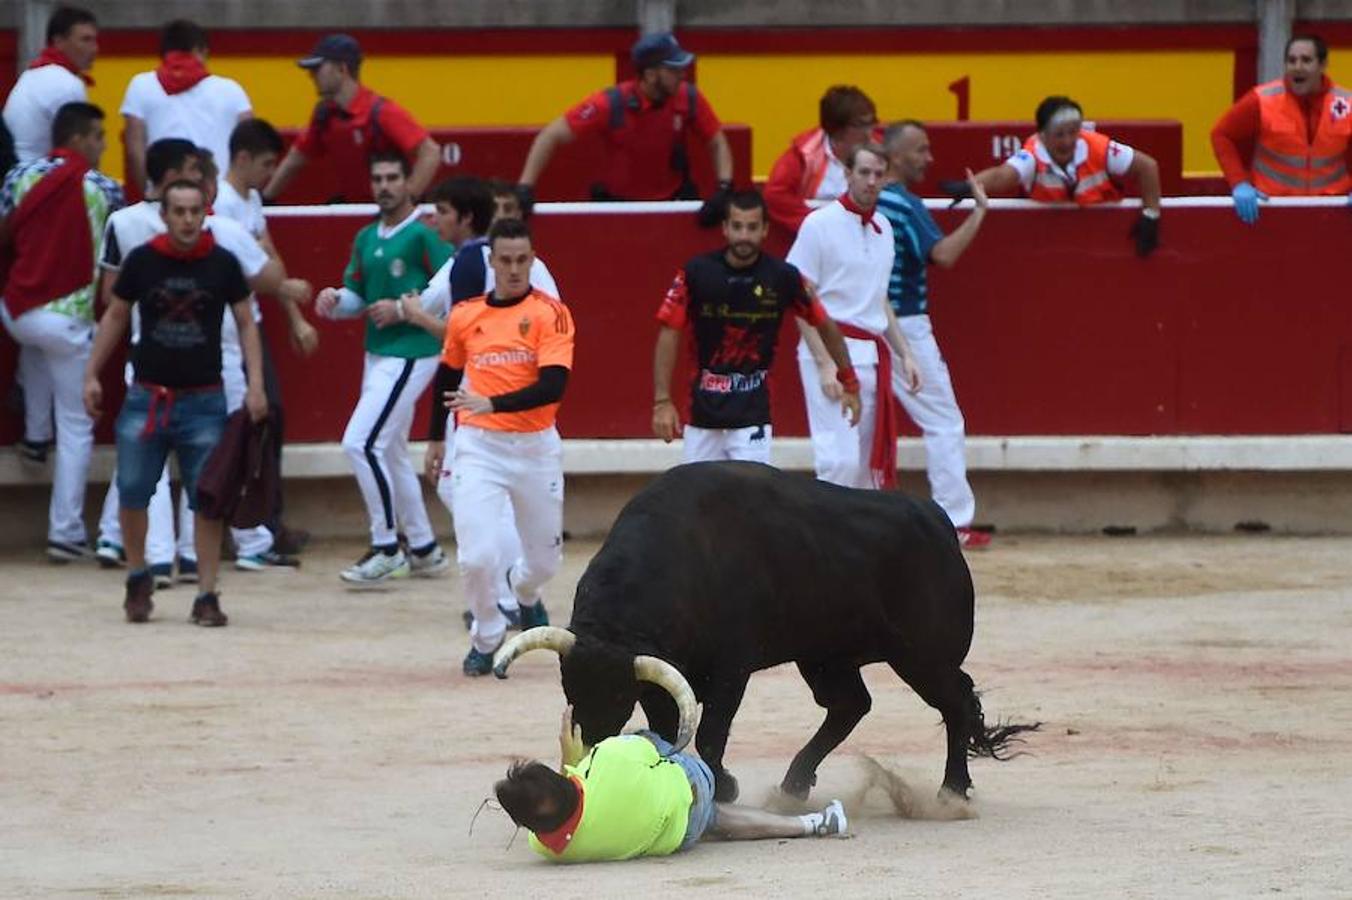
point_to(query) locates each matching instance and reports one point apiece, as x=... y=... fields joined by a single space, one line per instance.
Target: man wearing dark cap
x=644 y=122
x=353 y=122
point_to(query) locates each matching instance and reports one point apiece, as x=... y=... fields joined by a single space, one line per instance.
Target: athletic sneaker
x=206 y=611
x=187 y=570
x=513 y=616
x=973 y=540
x=429 y=563
x=833 y=821
x=533 y=615
x=268 y=559
x=477 y=663
x=138 y=606
x=110 y=555
x=34 y=452
x=69 y=551
x=376 y=567
x=163 y=574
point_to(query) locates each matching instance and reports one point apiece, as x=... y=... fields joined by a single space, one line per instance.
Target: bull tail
x=996 y=741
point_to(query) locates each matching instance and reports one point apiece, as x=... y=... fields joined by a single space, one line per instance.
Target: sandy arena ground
x=1197 y=694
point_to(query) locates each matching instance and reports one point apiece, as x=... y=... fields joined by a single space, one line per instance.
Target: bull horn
x=543 y=637
x=669 y=678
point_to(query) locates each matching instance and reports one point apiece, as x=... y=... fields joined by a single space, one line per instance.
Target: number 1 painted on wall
x=962 y=90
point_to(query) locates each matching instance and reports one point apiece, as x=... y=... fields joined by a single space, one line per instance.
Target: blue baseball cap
x=341 y=48
x=660 y=50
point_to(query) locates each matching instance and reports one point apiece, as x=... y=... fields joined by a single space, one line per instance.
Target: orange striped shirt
x=502 y=349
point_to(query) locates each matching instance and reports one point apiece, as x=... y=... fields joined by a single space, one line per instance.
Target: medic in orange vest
x=813 y=167
x=1065 y=163
x=1289 y=137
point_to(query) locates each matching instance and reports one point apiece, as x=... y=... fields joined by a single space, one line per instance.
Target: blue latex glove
x=1246 y=198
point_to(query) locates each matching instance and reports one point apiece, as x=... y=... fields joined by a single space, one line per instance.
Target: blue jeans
x=192 y=427
x=703 y=812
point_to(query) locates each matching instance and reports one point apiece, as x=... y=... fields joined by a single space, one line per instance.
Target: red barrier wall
x=1051 y=324
x=501 y=152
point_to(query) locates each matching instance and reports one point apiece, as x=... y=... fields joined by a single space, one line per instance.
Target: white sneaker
x=376 y=567
x=833 y=822
x=431 y=564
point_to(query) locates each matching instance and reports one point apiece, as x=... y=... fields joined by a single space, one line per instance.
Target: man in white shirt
x=56 y=77
x=845 y=251
x=181 y=99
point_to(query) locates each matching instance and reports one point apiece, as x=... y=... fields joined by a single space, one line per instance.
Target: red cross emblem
x=1340 y=108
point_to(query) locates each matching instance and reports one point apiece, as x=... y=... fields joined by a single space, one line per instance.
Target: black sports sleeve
x=447 y=379
x=548 y=389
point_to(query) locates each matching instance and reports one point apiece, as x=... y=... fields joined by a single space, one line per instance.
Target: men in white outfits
x=845 y=251
x=181 y=99
x=54 y=209
x=59 y=75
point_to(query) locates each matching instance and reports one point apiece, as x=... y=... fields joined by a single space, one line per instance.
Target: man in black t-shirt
x=734 y=300
x=181 y=283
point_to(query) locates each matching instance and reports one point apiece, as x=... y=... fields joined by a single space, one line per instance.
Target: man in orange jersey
x=1068 y=163
x=1289 y=137
x=504 y=367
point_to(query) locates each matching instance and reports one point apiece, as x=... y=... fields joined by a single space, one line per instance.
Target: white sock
x=812 y=822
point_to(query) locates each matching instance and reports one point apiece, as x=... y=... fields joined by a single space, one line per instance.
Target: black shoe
x=69 y=551
x=206 y=611
x=34 y=452
x=138 y=606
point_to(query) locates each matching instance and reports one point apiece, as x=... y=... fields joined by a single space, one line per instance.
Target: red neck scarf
x=50 y=56
x=558 y=839
x=179 y=71
x=162 y=245
x=865 y=215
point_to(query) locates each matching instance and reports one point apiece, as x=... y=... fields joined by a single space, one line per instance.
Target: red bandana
x=865 y=216
x=179 y=71
x=558 y=839
x=162 y=245
x=50 y=56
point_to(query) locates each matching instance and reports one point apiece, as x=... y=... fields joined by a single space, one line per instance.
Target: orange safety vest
x=811 y=146
x=1092 y=182
x=1285 y=161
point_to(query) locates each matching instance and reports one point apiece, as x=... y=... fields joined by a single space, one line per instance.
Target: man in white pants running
x=845 y=250
x=919 y=242
x=503 y=370
x=391 y=257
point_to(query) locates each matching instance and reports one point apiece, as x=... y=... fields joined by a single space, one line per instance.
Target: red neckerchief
x=179 y=71
x=882 y=458
x=558 y=839
x=161 y=244
x=50 y=56
x=865 y=216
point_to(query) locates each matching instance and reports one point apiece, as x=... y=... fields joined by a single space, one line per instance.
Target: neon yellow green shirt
x=634 y=803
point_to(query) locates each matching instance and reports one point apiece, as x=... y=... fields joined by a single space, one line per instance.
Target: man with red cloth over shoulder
x=1290 y=137
x=54 y=209
x=181 y=99
x=845 y=250
x=181 y=283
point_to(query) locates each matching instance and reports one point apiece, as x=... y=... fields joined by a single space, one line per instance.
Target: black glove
x=1146 y=231
x=958 y=189
x=716 y=207
x=525 y=195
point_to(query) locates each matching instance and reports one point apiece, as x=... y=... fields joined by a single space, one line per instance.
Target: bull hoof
x=798 y=789
x=725 y=788
x=952 y=793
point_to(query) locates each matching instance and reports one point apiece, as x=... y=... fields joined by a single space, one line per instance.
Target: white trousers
x=58 y=346
x=935 y=411
x=840 y=452
x=494 y=474
x=376 y=443
x=711 y=444
x=39 y=400
x=507 y=540
x=161 y=543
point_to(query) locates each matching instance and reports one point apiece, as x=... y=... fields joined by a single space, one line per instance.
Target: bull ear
x=669 y=678
x=545 y=637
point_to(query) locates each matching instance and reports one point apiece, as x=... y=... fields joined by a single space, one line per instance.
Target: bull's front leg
x=722 y=697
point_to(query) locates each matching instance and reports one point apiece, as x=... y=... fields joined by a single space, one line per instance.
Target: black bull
x=723 y=569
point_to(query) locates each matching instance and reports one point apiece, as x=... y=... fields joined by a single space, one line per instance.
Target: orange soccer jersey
x=502 y=349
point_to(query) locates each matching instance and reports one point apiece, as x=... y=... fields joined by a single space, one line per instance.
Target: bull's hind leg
x=841 y=692
x=950 y=691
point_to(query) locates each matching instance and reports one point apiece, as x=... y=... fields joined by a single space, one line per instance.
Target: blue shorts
x=194 y=426
x=703 y=812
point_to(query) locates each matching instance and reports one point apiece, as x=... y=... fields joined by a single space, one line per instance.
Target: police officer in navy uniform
x=644 y=123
